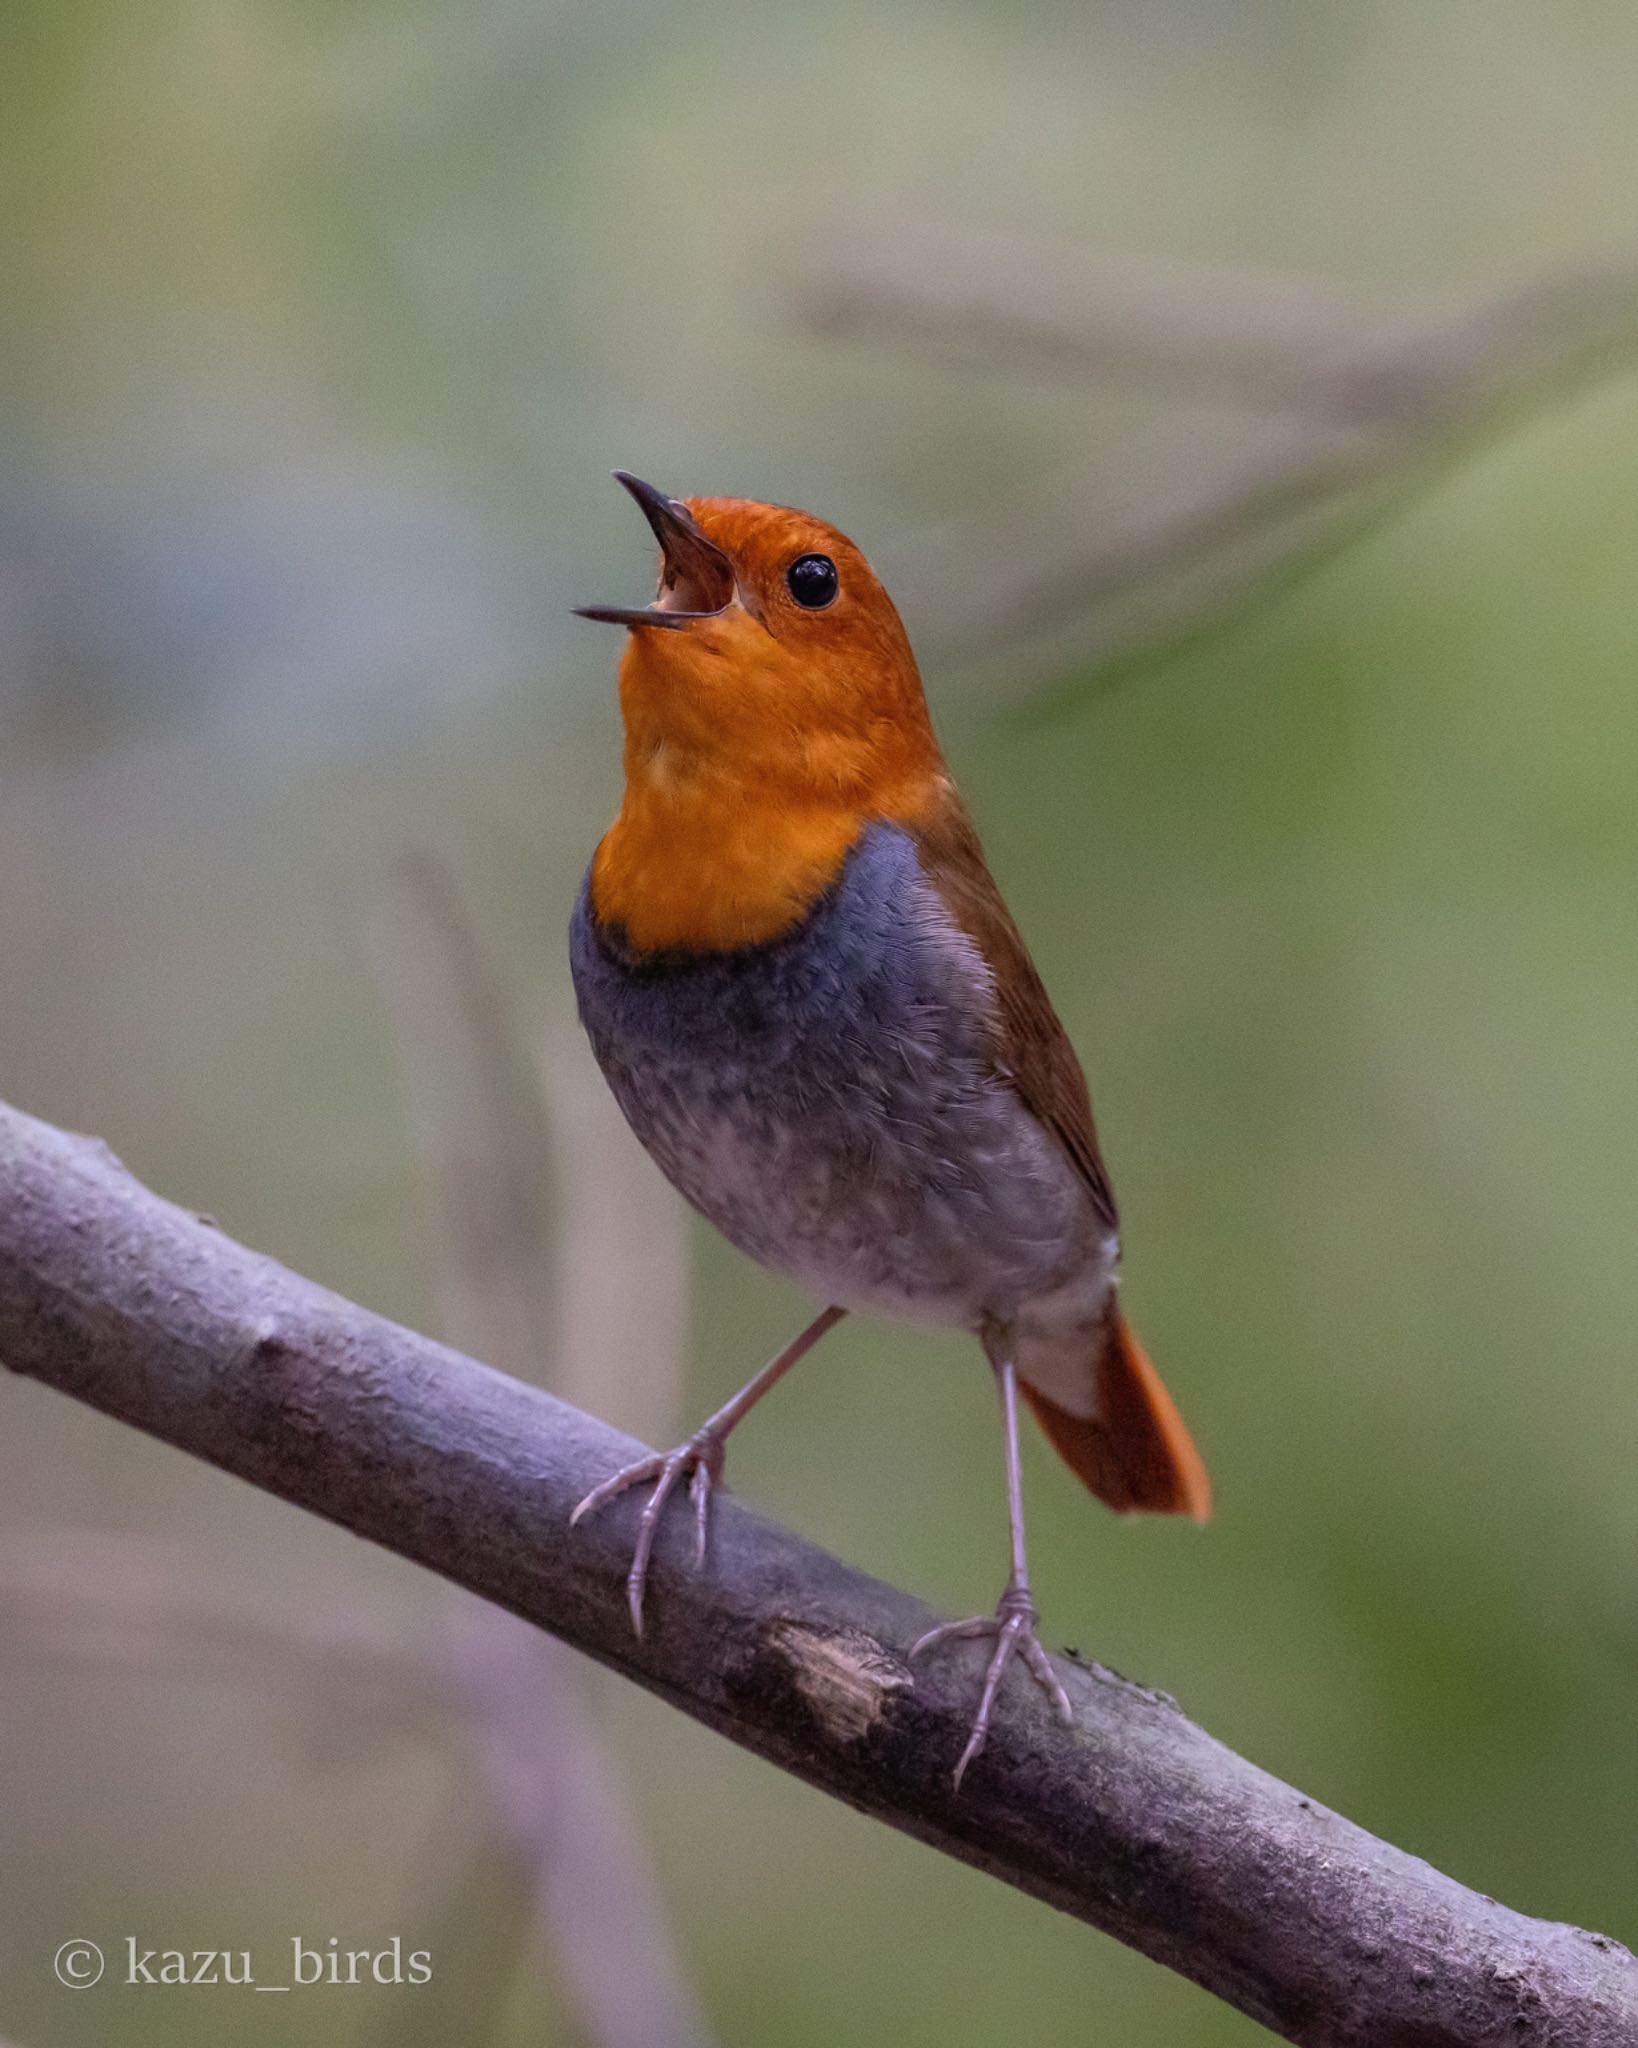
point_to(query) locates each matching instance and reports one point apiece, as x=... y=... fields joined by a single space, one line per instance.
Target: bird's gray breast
x=830 y=1102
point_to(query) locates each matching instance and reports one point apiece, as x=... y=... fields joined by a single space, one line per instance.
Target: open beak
x=696 y=577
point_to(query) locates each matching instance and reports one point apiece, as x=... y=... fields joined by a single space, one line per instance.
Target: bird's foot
x=701 y=1455
x=1012 y=1625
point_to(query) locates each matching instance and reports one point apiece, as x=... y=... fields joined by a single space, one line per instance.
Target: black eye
x=811 y=580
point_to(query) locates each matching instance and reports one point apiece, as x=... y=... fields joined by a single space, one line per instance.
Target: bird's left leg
x=702 y=1455
x=1012 y=1625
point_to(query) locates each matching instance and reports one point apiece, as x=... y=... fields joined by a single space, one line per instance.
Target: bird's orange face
x=772 y=708
x=770 y=650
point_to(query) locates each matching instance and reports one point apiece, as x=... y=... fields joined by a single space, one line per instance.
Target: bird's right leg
x=701 y=1454
x=1012 y=1626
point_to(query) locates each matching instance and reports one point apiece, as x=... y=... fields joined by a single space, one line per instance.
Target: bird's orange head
x=772 y=710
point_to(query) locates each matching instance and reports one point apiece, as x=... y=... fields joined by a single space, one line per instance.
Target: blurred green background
x=322 y=328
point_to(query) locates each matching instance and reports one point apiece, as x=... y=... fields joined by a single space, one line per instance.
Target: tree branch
x=1132 y=1819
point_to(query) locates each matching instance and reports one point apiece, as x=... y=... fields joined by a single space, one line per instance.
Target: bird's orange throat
x=711 y=868
x=742 y=800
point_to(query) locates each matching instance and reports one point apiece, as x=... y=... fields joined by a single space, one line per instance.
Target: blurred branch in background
x=480 y=1124
x=80 y=1595
x=592 y=1903
x=1353 y=404
x=1000 y=301
x=1131 y=1818
x=623 y=1255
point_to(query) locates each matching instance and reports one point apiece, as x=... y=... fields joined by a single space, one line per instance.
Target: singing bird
x=802 y=984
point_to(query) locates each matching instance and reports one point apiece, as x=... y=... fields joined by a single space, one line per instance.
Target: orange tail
x=1133 y=1450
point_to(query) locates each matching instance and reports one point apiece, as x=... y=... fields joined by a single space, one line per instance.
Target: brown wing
x=1132 y=1450
x=1032 y=1048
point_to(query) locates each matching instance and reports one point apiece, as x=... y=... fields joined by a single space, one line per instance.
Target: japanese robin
x=804 y=988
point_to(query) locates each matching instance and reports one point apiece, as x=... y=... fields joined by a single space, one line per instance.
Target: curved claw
x=701 y=1455
x=1013 y=1627
x=628 y=1475
x=699 y=1491
x=954 y=1632
x=1041 y=1670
